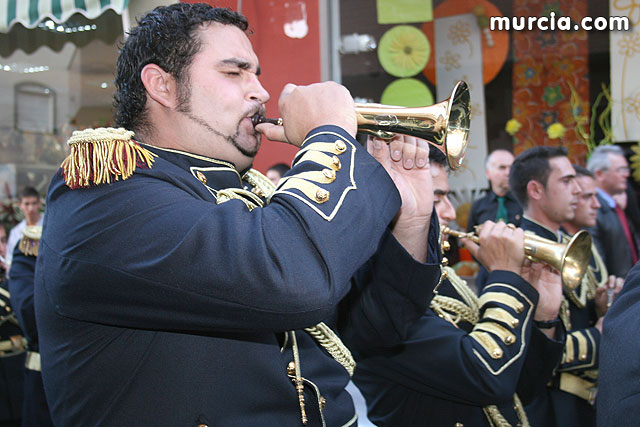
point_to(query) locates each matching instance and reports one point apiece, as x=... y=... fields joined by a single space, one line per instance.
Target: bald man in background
x=498 y=204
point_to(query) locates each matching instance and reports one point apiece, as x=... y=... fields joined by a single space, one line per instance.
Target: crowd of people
x=170 y=284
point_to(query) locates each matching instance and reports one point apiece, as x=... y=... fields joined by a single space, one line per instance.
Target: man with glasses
x=615 y=236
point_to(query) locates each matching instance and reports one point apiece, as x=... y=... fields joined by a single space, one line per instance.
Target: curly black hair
x=167 y=37
x=532 y=165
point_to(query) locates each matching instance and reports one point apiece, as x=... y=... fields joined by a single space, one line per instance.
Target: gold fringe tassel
x=29 y=246
x=101 y=156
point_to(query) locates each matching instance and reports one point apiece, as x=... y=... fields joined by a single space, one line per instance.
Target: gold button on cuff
x=291 y=368
x=445 y=261
x=322 y=195
x=582 y=357
x=496 y=353
x=201 y=177
x=341 y=147
x=519 y=308
x=330 y=174
x=515 y=323
x=509 y=340
x=459 y=425
x=335 y=161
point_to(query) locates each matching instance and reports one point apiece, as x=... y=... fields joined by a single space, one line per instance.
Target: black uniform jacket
x=618 y=400
x=445 y=374
x=11 y=360
x=35 y=411
x=486 y=208
x=566 y=400
x=163 y=299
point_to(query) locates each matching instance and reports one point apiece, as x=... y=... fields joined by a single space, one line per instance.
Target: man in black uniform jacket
x=544 y=182
x=465 y=357
x=174 y=287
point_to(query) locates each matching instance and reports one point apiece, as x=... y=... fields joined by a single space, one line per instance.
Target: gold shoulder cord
x=469 y=310
x=263 y=187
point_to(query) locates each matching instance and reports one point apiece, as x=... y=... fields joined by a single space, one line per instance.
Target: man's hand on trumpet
x=406 y=160
x=304 y=108
x=503 y=249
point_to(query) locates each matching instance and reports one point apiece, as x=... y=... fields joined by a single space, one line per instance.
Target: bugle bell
x=444 y=125
x=570 y=259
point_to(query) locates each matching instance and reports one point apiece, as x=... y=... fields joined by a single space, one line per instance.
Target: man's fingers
x=396 y=147
x=381 y=151
x=272 y=132
x=471 y=246
x=422 y=153
x=409 y=152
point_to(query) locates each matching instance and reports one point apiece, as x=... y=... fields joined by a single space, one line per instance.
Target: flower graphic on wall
x=450 y=60
x=629 y=45
x=631 y=8
x=552 y=94
x=547 y=118
x=528 y=72
x=459 y=33
x=564 y=67
x=547 y=39
x=552 y=7
x=632 y=105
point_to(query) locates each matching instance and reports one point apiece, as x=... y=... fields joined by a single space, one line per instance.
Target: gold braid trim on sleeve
x=469 y=310
x=103 y=155
x=334 y=346
x=452 y=309
x=498 y=420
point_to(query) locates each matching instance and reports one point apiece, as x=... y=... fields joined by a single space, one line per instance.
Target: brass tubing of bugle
x=444 y=125
x=470 y=235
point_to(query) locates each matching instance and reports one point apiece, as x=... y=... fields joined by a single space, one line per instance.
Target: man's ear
x=535 y=190
x=160 y=85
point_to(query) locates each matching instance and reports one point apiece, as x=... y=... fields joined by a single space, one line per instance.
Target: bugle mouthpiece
x=258 y=118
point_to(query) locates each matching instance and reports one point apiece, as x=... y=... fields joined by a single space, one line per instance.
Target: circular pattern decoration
x=407 y=93
x=403 y=51
x=493 y=57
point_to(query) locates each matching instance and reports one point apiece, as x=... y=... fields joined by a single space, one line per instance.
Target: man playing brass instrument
x=466 y=357
x=175 y=287
x=544 y=182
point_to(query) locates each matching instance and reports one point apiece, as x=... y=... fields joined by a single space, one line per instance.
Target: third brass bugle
x=570 y=259
x=444 y=125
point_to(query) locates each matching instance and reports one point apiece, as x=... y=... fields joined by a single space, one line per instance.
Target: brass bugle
x=570 y=259
x=444 y=125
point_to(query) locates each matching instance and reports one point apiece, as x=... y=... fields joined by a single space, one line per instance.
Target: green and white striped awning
x=30 y=13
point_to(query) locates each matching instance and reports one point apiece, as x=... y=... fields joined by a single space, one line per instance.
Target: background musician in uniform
x=35 y=411
x=12 y=354
x=172 y=275
x=465 y=357
x=544 y=182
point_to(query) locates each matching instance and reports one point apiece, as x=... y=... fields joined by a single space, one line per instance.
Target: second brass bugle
x=444 y=125
x=570 y=259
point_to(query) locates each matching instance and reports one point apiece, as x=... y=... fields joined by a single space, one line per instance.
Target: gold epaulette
x=100 y=156
x=30 y=241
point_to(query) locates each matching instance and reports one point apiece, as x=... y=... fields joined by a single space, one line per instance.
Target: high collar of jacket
x=539 y=229
x=212 y=172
